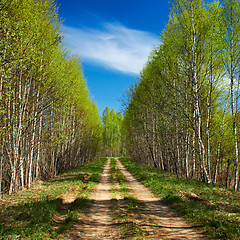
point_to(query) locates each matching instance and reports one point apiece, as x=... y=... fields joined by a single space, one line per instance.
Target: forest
x=113 y=134
x=48 y=122
x=182 y=115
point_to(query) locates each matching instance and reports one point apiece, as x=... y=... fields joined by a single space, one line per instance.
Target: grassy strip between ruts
x=39 y=213
x=126 y=210
x=214 y=208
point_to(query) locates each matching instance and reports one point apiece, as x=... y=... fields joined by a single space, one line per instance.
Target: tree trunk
x=234 y=126
x=187 y=154
x=196 y=99
x=209 y=109
x=1 y=171
x=32 y=146
x=227 y=177
x=219 y=147
x=39 y=146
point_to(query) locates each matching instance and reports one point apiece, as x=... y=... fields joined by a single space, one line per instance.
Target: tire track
x=161 y=217
x=98 y=223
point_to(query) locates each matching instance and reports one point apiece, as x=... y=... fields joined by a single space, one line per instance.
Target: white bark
x=219 y=147
x=39 y=146
x=33 y=141
x=1 y=170
x=196 y=98
x=187 y=154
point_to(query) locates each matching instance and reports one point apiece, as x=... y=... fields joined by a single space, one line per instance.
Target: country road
x=157 y=219
x=161 y=217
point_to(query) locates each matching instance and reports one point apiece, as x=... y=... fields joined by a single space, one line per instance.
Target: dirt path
x=98 y=223
x=160 y=217
x=155 y=218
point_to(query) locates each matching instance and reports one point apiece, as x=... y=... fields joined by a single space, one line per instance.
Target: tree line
x=113 y=133
x=48 y=122
x=182 y=115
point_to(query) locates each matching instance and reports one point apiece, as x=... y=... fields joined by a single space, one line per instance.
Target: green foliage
x=113 y=142
x=182 y=115
x=214 y=208
x=38 y=213
x=48 y=121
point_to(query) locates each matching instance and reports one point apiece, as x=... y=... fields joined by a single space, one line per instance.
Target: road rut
x=157 y=219
x=170 y=225
x=98 y=224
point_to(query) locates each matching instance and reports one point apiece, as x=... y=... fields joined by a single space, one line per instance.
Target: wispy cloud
x=114 y=46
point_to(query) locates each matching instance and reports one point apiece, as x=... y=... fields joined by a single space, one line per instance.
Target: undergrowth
x=38 y=213
x=213 y=208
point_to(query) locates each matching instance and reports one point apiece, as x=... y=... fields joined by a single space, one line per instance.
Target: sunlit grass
x=214 y=208
x=125 y=211
x=38 y=213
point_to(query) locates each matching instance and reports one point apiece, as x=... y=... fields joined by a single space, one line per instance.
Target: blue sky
x=113 y=39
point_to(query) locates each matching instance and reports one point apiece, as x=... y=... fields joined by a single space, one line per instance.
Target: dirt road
x=98 y=224
x=169 y=224
x=158 y=220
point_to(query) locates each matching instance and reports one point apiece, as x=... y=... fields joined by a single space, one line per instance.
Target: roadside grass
x=126 y=210
x=40 y=212
x=119 y=183
x=213 y=208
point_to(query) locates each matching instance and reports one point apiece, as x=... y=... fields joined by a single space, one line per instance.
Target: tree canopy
x=183 y=112
x=113 y=137
x=48 y=121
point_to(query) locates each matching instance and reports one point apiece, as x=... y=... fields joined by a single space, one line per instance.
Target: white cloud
x=114 y=46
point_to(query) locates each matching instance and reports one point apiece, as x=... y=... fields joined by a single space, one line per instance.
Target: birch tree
x=231 y=58
x=178 y=115
x=46 y=113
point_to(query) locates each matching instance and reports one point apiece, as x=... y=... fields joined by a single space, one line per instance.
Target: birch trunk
x=193 y=153
x=40 y=121
x=39 y=146
x=1 y=171
x=187 y=154
x=235 y=132
x=219 y=146
x=209 y=110
x=196 y=99
x=30 y=177
x=12 y=143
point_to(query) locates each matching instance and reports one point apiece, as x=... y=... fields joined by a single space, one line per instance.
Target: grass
x=38 y=213
x=126 y=210
x=213 y=208
x=126 y=213
x=119 y=183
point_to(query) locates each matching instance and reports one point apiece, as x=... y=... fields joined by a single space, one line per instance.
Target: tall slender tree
x=178 y=115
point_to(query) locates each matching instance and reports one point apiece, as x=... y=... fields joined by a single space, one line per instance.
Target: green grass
x=38 y=213
x=125 y=211
x=213 y=208
x=117 y=179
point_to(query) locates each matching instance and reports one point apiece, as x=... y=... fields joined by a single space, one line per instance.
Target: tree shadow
x=207 y=212
x=43 y=218
x=84 y=177
x=27 y=219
